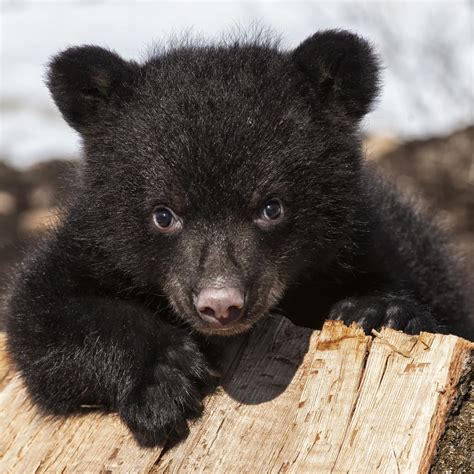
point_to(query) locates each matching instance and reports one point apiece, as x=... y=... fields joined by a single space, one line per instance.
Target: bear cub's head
x=218 y=175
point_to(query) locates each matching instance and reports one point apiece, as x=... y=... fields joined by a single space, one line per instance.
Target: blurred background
x=421 y=133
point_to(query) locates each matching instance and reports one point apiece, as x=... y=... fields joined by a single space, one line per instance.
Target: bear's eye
x=165 y=219
x=271 y=212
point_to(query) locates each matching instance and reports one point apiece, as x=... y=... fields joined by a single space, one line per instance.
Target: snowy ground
x=427 y=47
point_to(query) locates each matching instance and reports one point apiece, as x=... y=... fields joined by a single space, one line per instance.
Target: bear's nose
x=220 y=305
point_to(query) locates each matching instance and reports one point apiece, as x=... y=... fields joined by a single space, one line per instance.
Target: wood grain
x=292 y=400
x=6 y=369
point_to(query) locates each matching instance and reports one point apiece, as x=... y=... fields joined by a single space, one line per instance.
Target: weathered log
x=292 y=400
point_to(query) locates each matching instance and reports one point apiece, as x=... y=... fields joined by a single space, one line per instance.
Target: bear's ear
x=87 y=81
x=342 y=67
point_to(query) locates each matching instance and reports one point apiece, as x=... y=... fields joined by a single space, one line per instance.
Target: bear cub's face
x=219 y=175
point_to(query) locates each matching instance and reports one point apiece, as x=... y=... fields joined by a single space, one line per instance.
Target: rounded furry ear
x=342 y=67
x=86 y=81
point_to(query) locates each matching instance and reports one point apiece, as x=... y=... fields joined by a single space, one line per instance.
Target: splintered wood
x=292 y=400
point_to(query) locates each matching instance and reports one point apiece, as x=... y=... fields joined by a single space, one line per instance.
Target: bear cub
x=219 y=182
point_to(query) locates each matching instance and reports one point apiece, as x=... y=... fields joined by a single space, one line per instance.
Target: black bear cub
x=219 y=182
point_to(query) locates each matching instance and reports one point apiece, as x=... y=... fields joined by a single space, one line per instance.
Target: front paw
x=158 y=409
x=373 y=312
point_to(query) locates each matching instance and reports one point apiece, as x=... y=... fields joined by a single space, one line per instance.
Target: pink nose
x=220 y=305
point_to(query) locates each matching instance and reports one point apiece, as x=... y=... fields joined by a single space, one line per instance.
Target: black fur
x=103 y=312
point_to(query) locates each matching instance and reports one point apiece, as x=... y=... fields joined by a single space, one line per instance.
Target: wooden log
x=292 y=400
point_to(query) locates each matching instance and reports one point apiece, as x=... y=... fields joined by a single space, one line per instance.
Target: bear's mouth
x=232 y=329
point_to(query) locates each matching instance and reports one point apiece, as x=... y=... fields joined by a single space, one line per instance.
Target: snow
x=427 y=48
